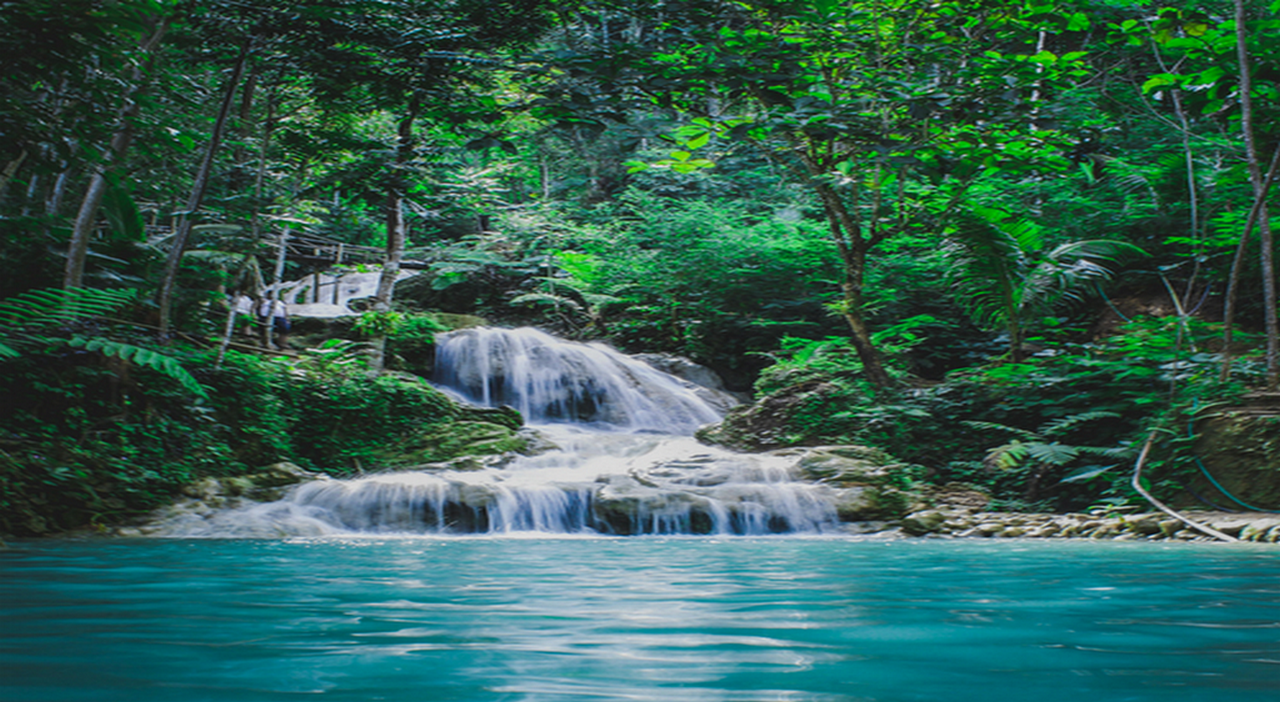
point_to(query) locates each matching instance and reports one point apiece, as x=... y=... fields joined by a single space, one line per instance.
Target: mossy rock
x=848 y=465
x=1242 y=453
x=767 y=424
x=443 y=442
x=505 y=416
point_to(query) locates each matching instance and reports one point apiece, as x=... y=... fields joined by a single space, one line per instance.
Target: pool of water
x=680 y=618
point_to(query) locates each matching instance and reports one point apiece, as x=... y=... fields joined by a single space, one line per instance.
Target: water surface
x=677 y=618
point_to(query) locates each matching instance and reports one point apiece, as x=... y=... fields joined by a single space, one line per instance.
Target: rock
x=1229 y=525
x=1258 y=529
x=444 y=442
x=627 y=507
x=281 y=474
x=921 y=523
x=843 y=466
x=705 y=382
x=988 y=528
x=505 y=416
x=1144 y=524
x=767 y=423
x=1241 y=450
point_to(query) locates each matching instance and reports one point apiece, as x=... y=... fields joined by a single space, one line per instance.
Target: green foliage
x=375 y=323
x=1041 y=453
x=1076 y=412
x=31 y=318
x=143 y=357
x=86 y=446
x=1003 y=277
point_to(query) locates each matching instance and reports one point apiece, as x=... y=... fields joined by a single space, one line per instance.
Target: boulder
x=766 y=424
x=1241 y=450
x=924 y=522
x=444 y=442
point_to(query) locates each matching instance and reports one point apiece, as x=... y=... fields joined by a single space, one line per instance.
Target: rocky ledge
x=1147 y=526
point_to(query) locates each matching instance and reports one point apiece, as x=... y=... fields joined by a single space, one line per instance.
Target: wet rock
x=705 y=382
x=625 y=506
x=444 y=442
x=766 y=424
x=1257 y=530
x=844 y=466
x=925 y=522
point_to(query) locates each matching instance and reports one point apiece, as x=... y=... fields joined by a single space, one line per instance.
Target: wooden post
x=315 y=286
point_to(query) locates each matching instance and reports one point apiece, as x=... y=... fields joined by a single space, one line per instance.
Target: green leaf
x=1159 y=81
x=1086 y=473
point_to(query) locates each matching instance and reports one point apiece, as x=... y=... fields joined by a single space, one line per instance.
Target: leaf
x=1086 y=473
x=1159 y=81
x=1052 y=453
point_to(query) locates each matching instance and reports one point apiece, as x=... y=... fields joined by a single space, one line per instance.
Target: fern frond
x=41 y=307
x=142 y=356
x=545 y=299
x=1063 y=425
x=1053 y=453
x=1001 y=427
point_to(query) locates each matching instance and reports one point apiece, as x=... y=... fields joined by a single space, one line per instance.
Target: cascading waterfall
x=551 y=380
x=624 y=463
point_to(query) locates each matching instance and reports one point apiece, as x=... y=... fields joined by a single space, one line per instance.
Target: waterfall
x=625 y=462
x=552 y=380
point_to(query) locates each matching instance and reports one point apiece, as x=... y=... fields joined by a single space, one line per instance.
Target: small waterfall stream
x=624 y=461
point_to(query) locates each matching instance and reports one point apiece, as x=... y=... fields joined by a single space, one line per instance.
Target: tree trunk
x=82 y=230
x=10 y=171
x=395 y=233
x=853 y=250
x=1260 y=184
x=183 y=230
x=1237 y=264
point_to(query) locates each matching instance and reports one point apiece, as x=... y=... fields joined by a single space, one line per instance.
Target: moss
x=1242 y=453
x=452 y=440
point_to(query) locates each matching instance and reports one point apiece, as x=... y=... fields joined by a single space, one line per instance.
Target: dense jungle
x=1005 y=244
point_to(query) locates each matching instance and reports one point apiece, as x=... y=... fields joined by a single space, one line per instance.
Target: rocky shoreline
x=1253 y=527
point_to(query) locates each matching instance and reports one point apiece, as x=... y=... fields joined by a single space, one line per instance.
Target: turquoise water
x=545 y=619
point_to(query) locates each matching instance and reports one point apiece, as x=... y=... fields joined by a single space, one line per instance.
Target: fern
x=26 y=317
x=546 y=299
x=45 y=307
x=142 y=356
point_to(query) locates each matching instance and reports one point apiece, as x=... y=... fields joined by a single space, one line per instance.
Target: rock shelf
x=1148 y=526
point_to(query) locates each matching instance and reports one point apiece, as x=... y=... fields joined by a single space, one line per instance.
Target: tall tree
x=871 y=105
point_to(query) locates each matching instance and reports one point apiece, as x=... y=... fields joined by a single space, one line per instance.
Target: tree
x=870 y=105
x=424 y=73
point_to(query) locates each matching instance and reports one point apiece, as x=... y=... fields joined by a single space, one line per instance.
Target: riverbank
x=1258 y=527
